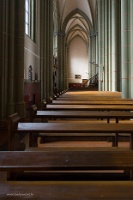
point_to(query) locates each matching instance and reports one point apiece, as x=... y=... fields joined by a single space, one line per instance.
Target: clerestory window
x=30 y=18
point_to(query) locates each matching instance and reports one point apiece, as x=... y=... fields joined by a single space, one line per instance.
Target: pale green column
x=124 y=47
x=99 y=45
x=131 y=50
x=115 y=44
x=97 y=53
x=94 y=54
x=66 y=67
x=109 y=46
x=90 y=57
x=106 y=46
x=103 y=45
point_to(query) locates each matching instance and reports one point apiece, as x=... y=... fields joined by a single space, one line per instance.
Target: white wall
x=31 y=57
x=32 y=50
x=77 y=61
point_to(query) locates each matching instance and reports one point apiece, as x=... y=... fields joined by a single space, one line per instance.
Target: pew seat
x=67 y=190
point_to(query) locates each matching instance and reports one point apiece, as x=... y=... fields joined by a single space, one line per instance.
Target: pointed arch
x=71 y=14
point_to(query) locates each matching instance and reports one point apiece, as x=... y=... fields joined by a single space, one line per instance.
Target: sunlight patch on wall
x=78 y=61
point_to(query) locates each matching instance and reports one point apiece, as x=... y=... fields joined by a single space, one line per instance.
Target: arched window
x=30 y=18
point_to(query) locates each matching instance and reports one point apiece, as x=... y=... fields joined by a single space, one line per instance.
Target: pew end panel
x=14 y=140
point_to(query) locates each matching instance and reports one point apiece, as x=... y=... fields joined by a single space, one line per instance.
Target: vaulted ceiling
x=77 y=18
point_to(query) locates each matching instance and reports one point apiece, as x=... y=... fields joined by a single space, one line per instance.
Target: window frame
x=30 y=13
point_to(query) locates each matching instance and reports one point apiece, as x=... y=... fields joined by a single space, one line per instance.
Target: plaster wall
x=77 y=61
x=32 y=49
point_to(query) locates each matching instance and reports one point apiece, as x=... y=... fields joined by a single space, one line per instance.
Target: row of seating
x=64 y=172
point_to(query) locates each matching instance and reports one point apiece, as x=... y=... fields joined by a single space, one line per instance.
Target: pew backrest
x=80 y=159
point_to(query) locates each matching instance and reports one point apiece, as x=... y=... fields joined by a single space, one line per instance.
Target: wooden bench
x=14 y=140
x=68 y=160
x=78 y=115
x=67 y=190
x=90 y=107
x=92 y=94
x=74 y=129
x=92 y=102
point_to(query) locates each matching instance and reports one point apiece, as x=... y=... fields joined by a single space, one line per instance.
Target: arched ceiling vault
x=77 y=18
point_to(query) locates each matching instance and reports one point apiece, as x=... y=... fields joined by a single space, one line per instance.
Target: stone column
x=43 y=39
x=66 y=67
x=101 y=43
x=50 y=25
x=90 y=57
x=115 y=43
x=61 y=63
x=3 y=58
x=124 y=47
x=109 y=38
x=131 y=50
x=97 y=53
x=12 y=57
x=94 y=54
x=106 y=46
x=46 y=43
x=19 y=55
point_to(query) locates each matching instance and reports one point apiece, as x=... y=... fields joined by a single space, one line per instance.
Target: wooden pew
x=92 y=94
x=74 y=129
x=92 y=102
x=68 y=160
x=90 y=107
x=34 y=138
x=15 y=141
x=67 y=190
x=78 y=115
x=91 y=98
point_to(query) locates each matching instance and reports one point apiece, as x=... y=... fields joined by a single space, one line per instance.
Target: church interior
x=66 y=129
